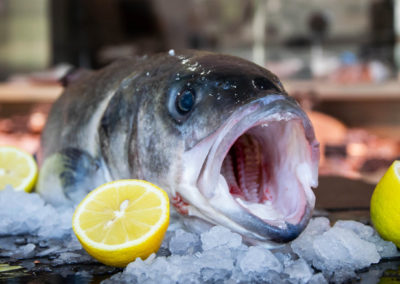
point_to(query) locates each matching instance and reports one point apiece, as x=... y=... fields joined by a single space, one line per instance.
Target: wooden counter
x=28 y=93
x=389 y=90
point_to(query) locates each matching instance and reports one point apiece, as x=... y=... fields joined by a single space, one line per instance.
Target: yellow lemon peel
x=385 y=205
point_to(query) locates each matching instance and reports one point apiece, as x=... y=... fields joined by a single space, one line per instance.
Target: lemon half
x=385 y=205
x=122 y=220
x=17 y=168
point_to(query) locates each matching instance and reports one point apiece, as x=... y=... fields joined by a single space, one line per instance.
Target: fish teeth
x=228 y=172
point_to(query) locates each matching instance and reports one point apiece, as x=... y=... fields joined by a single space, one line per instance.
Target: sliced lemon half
x=17 y=168
x=385 y=205
x=121 y=221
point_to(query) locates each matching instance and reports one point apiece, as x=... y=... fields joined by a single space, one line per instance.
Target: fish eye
x=185 y=101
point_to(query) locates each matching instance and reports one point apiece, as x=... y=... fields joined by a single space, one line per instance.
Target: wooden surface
x=23 y=93
x=335 y=192
x=389 y=90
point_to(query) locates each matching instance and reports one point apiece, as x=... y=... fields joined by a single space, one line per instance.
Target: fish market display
x=218 y=133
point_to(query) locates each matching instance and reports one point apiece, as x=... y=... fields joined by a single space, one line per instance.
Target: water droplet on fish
x=171 y=52
x=147 y=73
x=188 y=84
x=226 y=86
x=264 y=125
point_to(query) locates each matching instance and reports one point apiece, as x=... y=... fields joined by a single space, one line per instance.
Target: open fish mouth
x=260 y=176
x=259 y=171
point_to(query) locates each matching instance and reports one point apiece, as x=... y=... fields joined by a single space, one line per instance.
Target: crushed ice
x=30 y=228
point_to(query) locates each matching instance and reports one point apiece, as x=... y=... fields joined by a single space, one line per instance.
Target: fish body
x=218 y=133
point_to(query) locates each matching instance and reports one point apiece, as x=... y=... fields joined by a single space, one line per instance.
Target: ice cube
x=303 y=245
x=317 y=226
x=24 y=252
x=219 y=259
x=385 y=249
x=299 y=270
x=220 y=236
x=215 y=265
x=258 y=259
x=339 y=252
x=184 y=243
x=211 y=275
x=363 y=231
x=285 y=258
x=318 y=279
x=50 y=251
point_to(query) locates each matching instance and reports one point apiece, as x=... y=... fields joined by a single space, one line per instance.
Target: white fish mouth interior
x=268 y=171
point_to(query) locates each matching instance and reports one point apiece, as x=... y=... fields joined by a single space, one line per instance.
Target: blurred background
x=339 y=58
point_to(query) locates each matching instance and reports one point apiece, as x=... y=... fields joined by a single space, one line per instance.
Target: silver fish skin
x=218 y=133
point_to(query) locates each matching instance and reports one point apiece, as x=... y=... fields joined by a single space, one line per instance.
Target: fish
x=217 y=132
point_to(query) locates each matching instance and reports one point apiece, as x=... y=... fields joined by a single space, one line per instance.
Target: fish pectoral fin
x=68 y=175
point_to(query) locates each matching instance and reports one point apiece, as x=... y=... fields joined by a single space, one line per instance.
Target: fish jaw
x=255 y=173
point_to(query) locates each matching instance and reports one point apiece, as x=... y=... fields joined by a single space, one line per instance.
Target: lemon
x=122 y=220
x=17 y=168
x=385 y=205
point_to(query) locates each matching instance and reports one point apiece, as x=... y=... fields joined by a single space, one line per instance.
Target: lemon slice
x=122 y=220
x=17 y=168
x=385 y=205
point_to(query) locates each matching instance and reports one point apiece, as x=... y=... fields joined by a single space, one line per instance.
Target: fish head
x=240 y=152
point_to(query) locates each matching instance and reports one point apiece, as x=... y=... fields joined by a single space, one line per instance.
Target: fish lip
x=260 y=111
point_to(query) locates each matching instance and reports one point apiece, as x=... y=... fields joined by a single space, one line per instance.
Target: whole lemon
x=385 y=205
